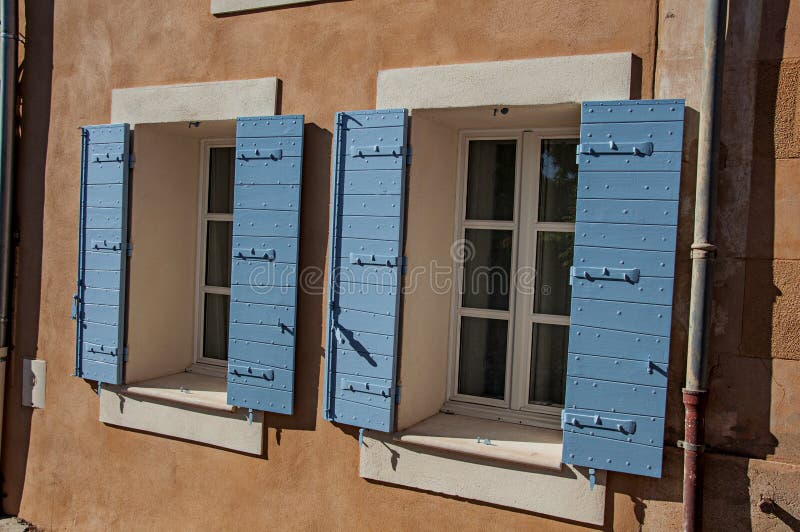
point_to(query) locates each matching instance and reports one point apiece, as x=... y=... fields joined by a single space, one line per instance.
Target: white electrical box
x=33 y=380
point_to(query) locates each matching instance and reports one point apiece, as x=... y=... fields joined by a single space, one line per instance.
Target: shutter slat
x=622 y=285
x=266 y=217
x=365 y=261
x=102 y=253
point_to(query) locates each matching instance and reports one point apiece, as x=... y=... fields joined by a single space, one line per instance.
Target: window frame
x=201 y=363
x=520 y=316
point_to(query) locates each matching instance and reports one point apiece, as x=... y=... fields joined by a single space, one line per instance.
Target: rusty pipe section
x=703 y=251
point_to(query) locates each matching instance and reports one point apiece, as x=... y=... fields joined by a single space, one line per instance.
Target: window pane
x=482 y=359
x=490 y=179
x=215 y=326
x=558 y=181
x=548 y=364
x=220 y=180
x=218 y=253
x=487 y=268
x=553 y=260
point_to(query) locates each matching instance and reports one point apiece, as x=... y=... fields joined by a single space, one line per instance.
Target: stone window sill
x=521 y=468
x=221 y=7
x=193 y=389
x=187 y=406
x=506 y=442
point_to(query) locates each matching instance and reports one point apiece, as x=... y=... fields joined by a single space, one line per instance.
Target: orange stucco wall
x=65 y=470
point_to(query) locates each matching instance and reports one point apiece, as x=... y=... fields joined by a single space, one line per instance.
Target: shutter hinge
x=397 y=394
x=361 y=437
x=131 y=160
x=409 y=155
x=592 y=478
x=75 y=301
x=129 y=248
x=124 y=354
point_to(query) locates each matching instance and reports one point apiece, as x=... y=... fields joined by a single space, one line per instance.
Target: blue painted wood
x=369 y=205
x=266 y=217
x=627 y=211
x=273 y=197
x=669 y=134
x=640 y=237
x=657 y=290
x=622 y=316
x=263 y=274
x=618 y=397
x=363 y=364
x=278 y=295
x=613 y=455
x=638 y=111
x=649 y=430
x=642 y=212
x=373 y=182
x=102 y=253
x=629 y=185
x=620 y=344
x=646 y=372
x=272 y=355
x=366 y=220
x=649 y=263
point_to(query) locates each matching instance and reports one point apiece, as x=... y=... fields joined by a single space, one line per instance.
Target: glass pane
x=482 y=358
x=215 y=326
x=558 y=183
x=487 y=268
x=218 y=253
x=553 y=260
x=548 y=364
x=490 y=179
x=220 y=180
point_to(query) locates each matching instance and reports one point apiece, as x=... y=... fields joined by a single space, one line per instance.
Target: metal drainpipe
x=703 y=251
x=8 y=114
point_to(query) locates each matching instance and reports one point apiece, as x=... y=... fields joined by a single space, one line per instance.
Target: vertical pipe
x=8 y=114
x=703 y=251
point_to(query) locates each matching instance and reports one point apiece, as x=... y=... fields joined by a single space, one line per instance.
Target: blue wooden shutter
x=99 y=303
x=626 y=223
x=266 y=219
x=365 y=262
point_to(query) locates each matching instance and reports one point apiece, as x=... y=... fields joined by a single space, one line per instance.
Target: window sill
x=194 y=389
x=517 y=444
x=199 y=413
x=521 y=469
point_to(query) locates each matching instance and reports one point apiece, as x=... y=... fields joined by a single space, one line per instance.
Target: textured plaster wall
x=65 y=470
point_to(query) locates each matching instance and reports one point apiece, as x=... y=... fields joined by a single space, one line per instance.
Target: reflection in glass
x=487 y=268
x=490 y=179
x=482 y=359
x=553 y=260
x=215 y=326
x=558 y=180
x=548 y=364
x=220 y=180
x=218 y=253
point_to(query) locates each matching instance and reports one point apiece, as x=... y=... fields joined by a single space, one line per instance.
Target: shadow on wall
x=34 y=121
x=309 y=354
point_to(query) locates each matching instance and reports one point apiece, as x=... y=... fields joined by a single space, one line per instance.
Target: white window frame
x=525 y=226
x=204 y=364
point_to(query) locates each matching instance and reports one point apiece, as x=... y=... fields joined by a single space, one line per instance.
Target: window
x=215 y=230
x=515 y=233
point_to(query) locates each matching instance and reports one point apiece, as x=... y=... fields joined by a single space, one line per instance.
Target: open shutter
x=266 y=218
x=99 y=303
x=366 y=259
x=624 y=262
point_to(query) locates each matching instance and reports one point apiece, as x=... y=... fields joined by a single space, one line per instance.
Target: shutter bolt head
x=767 y=505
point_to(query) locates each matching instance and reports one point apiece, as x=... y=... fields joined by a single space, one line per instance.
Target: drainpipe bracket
x=703 y=250
x=691 y=446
